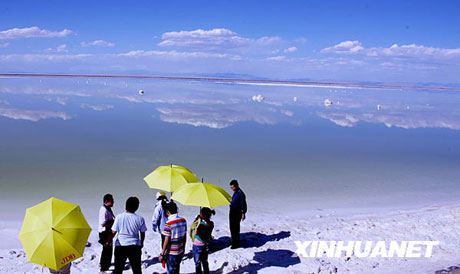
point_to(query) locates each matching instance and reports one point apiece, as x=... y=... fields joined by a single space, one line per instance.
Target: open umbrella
x=170 y=177
x=54 y=233
x=201 y=194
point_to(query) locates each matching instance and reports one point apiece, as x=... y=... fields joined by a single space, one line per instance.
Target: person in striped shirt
x=175 y=231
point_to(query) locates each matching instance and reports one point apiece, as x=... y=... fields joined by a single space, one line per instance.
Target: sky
x=351 y=41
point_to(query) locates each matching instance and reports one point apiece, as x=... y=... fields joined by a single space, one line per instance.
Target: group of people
x=126 y=231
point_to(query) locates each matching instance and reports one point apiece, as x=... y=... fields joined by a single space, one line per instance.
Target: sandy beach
x=268 y=244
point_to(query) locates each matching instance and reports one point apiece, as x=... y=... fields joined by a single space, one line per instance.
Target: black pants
x=131 y=252
x=107 y=250
x=235 y=219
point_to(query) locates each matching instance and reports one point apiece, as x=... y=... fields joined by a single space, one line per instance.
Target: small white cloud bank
x=290 y=49
x=345 y=47
x=214 y=39
x=411 y=50
x=32 y=32
x=60 y=48
x=97 y=43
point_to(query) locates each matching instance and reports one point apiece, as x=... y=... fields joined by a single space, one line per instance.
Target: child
x=201 y=236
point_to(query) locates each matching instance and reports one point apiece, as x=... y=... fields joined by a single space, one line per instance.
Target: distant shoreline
x=230 y=80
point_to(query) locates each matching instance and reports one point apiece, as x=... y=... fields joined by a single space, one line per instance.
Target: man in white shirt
x=106 y=218
x=128 y=227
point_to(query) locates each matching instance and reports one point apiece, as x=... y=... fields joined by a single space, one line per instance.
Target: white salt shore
x=269 y=247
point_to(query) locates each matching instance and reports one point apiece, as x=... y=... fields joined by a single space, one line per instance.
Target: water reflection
x=31 y=115
x=220 y=106
x=219 y=117
x=78 y=138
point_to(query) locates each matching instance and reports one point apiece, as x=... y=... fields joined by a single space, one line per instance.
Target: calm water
x=77 y=139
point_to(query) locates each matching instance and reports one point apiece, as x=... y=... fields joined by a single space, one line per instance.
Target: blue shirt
x=159 y=218
x=238 y=203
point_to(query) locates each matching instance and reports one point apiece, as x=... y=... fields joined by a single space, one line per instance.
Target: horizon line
x=212 y=79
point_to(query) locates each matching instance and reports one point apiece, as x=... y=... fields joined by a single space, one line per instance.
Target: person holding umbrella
x=54 y=233
x=206 y=196
x=63 y=270
x=238 y=208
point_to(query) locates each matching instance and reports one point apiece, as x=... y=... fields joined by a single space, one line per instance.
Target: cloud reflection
x=96 y=107
x=32 y=115
x=393 y=119
x=220 y=106
x=219 y=117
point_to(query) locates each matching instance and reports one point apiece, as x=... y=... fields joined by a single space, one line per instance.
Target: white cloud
x=179 y=54
x=96 y=107
x=60 y=48
x=412 y=50
x=276 y=58
x=99 y=43
x=214 y=39
x=268 y=40
x=32 y=115
x=4 y=45
x=43 y=57
x=32 y=32
x=345 y=47
x=291 y=49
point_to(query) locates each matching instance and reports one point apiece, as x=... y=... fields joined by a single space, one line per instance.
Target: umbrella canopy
x=170 y=177
x=201 y=194
x=54 y=233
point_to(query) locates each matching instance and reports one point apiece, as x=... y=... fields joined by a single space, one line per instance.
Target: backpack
x=193 y=228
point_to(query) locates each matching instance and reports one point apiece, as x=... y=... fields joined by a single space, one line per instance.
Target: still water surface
x=77 y=139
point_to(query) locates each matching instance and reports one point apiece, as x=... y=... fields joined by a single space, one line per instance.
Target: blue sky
x=376 y=41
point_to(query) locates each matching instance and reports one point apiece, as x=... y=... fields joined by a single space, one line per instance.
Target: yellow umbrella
x=201 y=194
x=54 y=233
x=170 y=177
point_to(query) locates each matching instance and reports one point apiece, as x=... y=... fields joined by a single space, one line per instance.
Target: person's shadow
x=248 y=240
x=270 y=257
x=150 y=261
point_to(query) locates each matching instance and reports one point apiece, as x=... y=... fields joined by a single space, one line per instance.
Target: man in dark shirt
x=238 y=208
